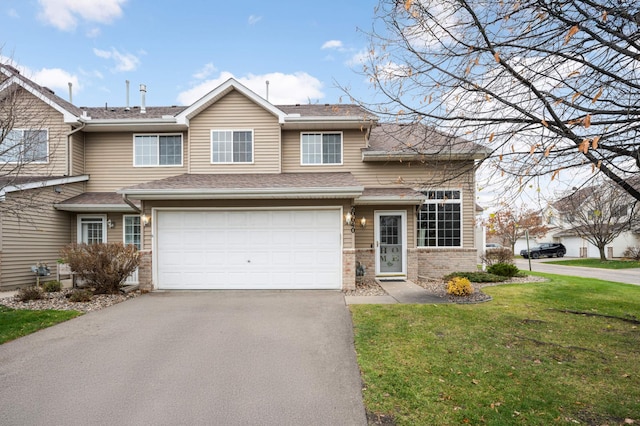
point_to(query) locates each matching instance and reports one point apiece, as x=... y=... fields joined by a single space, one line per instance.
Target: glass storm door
x=391 y=244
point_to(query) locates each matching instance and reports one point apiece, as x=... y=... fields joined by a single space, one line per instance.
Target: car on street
x=544 y=249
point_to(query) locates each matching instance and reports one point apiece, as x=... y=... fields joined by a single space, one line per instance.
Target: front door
x=391 y=245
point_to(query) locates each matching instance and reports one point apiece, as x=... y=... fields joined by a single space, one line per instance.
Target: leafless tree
x=599 y=214
x=551 y=87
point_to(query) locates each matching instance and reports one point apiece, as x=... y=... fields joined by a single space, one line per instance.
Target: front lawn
x=560 y=352
x=16 y=323
x=597 y=263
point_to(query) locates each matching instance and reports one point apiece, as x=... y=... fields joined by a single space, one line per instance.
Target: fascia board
x=391 y=200
x=395 y=155
x=94 y=208
x=242 y=193
x=43 y=184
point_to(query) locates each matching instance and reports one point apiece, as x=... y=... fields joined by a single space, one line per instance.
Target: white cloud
x=295 y=88
x=359 y=59
x=254 y=19
x=64 y=14
x=12 y=13
x=93 y=32
x=123 y=61
x=332 y=44
x=53 y=78
x=205 y=71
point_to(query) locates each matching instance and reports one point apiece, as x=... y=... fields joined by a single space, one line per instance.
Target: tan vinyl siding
x=36 y=235
x=109 y=161
x=235 y=112
x=365 y=238
x=36 y=115
x=77 y=154
x=352 y=143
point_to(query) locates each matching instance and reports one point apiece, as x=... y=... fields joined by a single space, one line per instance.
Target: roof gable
x=69 y=111
x=218 y=93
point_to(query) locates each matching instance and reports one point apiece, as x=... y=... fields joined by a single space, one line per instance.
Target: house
x=233 y=192
x=592 y=211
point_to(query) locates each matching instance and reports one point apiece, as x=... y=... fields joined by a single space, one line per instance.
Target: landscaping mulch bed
x=59 y=301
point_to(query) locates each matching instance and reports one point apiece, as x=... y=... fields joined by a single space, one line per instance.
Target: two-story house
x=233 y=192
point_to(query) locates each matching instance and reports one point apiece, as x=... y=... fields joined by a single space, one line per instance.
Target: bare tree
x=599 y=214
x=549 y=86
x=28 y=140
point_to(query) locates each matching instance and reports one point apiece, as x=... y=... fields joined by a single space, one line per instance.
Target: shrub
x=632 y=253
x=458 y=286
x=503 y=269
x=29 y=293
x=102 y=266
x=498 y=255
x=82 y=295
x=477 y=277
x=52 y=286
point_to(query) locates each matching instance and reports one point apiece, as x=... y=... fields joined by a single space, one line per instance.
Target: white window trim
x=454 y=201
x=32 y=162
x=302 y=163
x=124 y=229
x=103 y=219
x=158 y=150
x=253 y=146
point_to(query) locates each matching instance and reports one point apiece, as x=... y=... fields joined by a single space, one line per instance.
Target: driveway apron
x=178 y=358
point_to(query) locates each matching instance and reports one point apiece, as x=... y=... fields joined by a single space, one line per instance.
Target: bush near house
x=458 y=286
x=477 y=277
x=497 y=255
x=103 y=267
x=632 y=253
x=29 y=293
x=503 y=269
x=52 y=286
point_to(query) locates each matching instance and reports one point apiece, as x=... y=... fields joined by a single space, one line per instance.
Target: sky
x=183 y=49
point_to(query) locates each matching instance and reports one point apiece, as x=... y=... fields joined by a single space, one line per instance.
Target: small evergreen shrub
x=503 y=269
x=476 y=277
x=458 y=286
x=52 y=286
x=632 y=253
x=81 y=295
x=29 y=293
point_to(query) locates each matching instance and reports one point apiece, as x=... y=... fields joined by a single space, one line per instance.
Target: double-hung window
x=157 y=150
x=231 y=146
x=321 y=148
x=440 y=219
x=25 y=146
x=132 y=234
x=92 y=229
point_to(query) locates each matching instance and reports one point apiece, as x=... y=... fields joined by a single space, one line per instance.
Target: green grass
x=16 y=323
x=520 y=359
x=597 y=263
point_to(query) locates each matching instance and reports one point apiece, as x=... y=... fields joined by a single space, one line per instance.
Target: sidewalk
x=397 y=292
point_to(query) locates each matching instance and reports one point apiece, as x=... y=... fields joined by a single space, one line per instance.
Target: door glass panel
x=92 y=231
x=132 y=231
x=391 y=244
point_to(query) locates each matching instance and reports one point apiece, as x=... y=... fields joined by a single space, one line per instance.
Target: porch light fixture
x=146 y=220
x=111 y=223
x=363 y=222
x=350 y=219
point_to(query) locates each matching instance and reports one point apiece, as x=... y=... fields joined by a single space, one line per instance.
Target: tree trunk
x=603 y=256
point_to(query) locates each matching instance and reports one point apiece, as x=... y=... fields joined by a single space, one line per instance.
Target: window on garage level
x=321 y=148
x=231 y=146
x=132 y=231
x=157 y=150
x=440 y=219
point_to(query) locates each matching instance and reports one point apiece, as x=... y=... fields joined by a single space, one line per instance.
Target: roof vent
x=49 y=90
x=126 y=108
x=143 y=94
x=11 y=68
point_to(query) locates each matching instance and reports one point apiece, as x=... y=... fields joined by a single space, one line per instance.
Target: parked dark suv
x=545 y=249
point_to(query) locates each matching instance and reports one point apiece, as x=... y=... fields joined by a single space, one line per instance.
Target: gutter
x=241 y=193
x=130 y=203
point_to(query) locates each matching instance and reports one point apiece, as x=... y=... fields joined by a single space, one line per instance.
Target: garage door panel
x=249 y=249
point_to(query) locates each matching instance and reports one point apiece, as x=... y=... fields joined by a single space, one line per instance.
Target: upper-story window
x=232 y=146
x=25 y=146
x=440 y=219
x=157 y=150
x=321 y=148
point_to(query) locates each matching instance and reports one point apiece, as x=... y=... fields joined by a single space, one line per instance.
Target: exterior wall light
x=111 y=223
x=146 y=220
x=363 y=222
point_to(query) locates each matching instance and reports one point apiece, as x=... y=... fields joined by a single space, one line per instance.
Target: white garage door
x=272 y=249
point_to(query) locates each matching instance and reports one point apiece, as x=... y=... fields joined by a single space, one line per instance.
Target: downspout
x=131 y=204
x=68 y=165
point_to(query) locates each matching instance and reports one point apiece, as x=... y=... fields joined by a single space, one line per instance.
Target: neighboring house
x=233 y=192
x=562 y=227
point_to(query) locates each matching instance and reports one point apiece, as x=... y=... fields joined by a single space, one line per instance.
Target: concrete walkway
x=397 y=292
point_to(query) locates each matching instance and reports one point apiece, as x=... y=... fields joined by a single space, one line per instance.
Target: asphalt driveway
x=220 y=357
